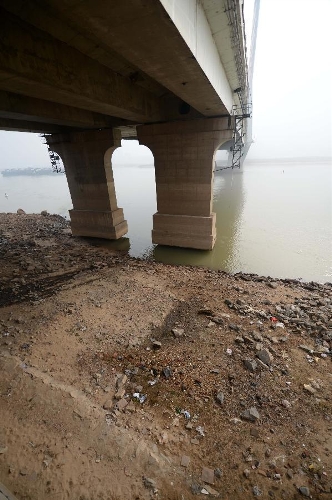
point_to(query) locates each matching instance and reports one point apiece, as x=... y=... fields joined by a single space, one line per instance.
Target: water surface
x=272 y=219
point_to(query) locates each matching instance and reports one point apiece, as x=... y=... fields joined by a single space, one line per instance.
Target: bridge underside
x=88 y=73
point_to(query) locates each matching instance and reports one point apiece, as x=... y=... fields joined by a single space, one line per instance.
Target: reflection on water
x=271 y=219
x=228 y=201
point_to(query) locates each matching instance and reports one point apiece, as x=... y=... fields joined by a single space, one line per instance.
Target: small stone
x=251 y=414
x=194 y=441
x=121 y=381
x=167 y=372
x=149 y=483
x=156 y=344
x=220 y=397
x=218 y=473
x=211 y=491
x=44 y=213
x=121 y=404
x=178 y=332
x=267 y=452
x=246 y=473
x=189 y=425
x=254 y=433
x=265 y=356
x=256 y=491
x=308 y=388
x=119 y=394
x=3 y=449
x=108 y=405
x=286 y=403
x=290 y=474
x=185 y=460
x=262 y=473
x=304 y=491
x=207 y=475
x=20 y=211
x=251 y=365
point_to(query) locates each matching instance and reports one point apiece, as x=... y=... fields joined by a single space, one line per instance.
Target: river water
x=272 y=219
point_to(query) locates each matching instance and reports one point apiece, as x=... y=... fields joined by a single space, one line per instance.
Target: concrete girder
x=29 y=109
x=29 y=126
x=35 y=64
x=162 y=53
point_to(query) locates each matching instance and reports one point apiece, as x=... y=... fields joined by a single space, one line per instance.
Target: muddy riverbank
x=127 y=379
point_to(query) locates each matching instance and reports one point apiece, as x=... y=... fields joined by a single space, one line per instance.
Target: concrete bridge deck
x=88 y=73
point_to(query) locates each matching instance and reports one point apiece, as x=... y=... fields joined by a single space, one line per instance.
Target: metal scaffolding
x=57 y=165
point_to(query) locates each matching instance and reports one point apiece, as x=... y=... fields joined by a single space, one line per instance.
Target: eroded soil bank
x=231 y=376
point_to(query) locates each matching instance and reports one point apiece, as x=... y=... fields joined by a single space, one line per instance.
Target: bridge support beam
x=184 y=160
x=87 y=160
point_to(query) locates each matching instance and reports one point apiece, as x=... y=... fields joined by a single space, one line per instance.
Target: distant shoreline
x=11 y=172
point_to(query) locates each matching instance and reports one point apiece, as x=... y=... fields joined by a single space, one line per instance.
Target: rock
x=108 y=405
x=44 y=213
x=246 y=473
x=304 y=491
x=211 y=491
x=218 y=473
x=156 y=344
x=251 y=414
x=185 y=460
x=119 y=394
x=286 y=403
x=178 y=332
x=251 y=365
x=167 y=372
x=121 y=404
x=256 y=491
x=308 y=388
x=20 y=211
x=121 y=381
x=265 y=356
x=220 y=397
x=207 y=475
x=3 y=449
x=149 y=483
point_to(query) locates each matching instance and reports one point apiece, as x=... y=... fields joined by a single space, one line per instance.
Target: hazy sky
x=292 y=109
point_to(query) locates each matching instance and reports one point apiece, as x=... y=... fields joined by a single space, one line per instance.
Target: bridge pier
x=184 y=161
x=87 y=160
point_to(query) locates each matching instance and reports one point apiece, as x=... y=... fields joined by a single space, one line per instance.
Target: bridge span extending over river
x=171 y=73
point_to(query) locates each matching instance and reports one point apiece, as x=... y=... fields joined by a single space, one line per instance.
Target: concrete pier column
x=184 y=162
x=87 y=160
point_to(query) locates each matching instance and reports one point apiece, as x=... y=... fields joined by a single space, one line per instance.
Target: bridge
x=171 y=73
